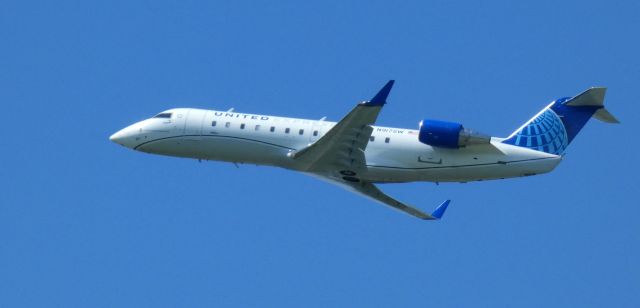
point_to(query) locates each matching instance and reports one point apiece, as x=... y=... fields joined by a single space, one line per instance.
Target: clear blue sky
x=87 y=223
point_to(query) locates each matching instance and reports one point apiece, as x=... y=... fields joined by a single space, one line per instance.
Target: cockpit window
x=166 y=115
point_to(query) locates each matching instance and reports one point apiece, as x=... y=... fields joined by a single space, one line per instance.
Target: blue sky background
x=87 y=223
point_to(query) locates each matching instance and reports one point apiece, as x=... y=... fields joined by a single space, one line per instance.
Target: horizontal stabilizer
x=594 y=97
x=604 y=115
x=591 y=97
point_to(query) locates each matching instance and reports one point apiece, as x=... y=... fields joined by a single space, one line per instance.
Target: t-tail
x=555 y=126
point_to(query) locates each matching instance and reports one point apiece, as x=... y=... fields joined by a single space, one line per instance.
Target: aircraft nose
x=117 y=137
x=125 y=137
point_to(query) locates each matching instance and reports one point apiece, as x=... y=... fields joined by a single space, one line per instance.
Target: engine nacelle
x=449 y=134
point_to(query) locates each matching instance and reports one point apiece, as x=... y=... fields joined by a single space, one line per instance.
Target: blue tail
x=553 y=128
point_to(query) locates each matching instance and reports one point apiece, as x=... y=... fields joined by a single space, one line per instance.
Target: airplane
x=356 y=155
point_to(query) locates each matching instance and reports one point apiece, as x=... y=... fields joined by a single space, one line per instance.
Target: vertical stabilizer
x=555 y=126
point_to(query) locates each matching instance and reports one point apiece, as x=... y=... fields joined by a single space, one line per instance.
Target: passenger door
x=178 y=121
x=193 y=126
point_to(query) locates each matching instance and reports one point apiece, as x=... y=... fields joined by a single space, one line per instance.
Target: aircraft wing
x=372 y=192
x=342 y=147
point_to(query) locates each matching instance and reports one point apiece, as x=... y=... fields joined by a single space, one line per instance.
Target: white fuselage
x=392 y=154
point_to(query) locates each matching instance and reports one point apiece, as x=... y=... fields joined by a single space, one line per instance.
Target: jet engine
x=449 y=134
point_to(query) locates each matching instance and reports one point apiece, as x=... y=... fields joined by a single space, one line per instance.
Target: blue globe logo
x=544 y=133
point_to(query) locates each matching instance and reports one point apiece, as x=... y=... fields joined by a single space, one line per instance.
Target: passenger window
x=372 y=138
x=386 y=140
x=227 y=125
x=315 y=133
x=301 y=132
x=242 y=126
x=272 y=129
x=257 y=127
x=213 y=123
x=286 y=130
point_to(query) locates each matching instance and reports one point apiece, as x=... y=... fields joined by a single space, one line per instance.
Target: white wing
x=340 y=152
x=369 y=190
x=342 y=147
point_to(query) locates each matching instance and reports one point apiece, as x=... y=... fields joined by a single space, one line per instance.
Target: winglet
x=439 y=211
x=381 y=98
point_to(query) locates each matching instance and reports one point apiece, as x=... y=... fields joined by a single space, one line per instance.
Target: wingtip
x=381 y=97
x=439 y=211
